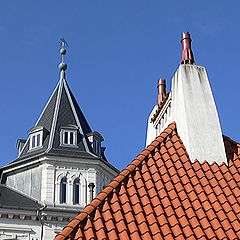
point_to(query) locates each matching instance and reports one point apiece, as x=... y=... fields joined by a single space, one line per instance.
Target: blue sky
x=117 y=51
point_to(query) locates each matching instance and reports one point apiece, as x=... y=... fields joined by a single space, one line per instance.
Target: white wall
x=196 y=116
x=23 y=229
x=27 y=181
x=193 y=109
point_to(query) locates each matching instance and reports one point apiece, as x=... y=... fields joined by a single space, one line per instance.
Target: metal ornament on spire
x=63 y=66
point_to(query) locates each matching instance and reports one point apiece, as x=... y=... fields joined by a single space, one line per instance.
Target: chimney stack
x=161 y=90
x=191 y=106
x=187 y=54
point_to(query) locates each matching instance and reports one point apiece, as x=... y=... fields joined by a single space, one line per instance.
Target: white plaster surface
x=151 y=130
x=194 y=111
x=195 y=114
x=27 y=181
x=19 y=229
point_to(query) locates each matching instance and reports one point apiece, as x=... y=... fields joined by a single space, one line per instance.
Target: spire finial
x=187 y=54
x=63 y=66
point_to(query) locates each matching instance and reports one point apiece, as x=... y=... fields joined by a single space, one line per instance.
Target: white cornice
x=55 y=160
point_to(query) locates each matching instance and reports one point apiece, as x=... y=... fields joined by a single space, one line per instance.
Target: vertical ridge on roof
x=46 y=117
x=65 y=117
x=162 y=194
x=55 y=116
x=85 y=126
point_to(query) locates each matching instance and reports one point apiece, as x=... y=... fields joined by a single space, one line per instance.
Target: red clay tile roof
x=163 y=195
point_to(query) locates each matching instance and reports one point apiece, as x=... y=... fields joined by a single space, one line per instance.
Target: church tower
x=61 y=164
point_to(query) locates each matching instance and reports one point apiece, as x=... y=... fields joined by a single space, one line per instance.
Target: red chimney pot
x=161 y=90
x=187 y=54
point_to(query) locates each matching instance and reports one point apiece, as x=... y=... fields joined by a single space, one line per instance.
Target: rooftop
x=162 y=194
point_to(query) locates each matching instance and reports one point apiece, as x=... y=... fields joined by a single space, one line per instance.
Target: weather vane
x=63 y=42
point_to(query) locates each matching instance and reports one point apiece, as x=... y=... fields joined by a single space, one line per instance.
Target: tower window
x=37 y=135
x=35 y=140
x=69 y=137
x=96 y=139
x=97 y=147
x=63 y=190
x=76 y=191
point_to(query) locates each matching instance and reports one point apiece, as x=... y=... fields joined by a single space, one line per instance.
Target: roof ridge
x=66 y=87
x=117 y=180
x=55 y=116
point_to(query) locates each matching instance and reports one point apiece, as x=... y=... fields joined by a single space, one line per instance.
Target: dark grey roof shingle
x=10 y=198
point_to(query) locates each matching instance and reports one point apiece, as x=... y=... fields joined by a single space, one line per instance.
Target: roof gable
x=162 y=194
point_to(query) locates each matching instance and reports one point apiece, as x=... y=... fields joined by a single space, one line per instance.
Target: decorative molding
x=10 y=215
x=34 y=217
x=60 y=219
x=22 y=217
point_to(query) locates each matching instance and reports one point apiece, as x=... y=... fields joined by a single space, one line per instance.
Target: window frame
x=63 y=197
x=76 y=183
x=97 y=147
x=68 y=132
x=36 y=140
x=96 y=139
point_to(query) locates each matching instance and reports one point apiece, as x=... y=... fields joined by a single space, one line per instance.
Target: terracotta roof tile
x=231 y=235
x=198 y=232
x=163 y=195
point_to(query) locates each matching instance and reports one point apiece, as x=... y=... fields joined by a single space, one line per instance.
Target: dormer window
x=36 y=135
x=97 y=147
x=35 y=140
x=96 y=139
x=68 y=136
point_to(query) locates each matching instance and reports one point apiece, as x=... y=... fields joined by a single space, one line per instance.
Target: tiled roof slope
x=163 y=195
x=8 y=198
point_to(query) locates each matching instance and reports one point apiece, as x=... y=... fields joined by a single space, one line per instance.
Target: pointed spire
x=63 y=66
x=187 y=54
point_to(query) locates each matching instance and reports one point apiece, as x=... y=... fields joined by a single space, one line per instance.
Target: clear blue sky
x=117 y=51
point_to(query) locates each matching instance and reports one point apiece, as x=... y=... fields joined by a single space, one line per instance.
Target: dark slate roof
x=65 y=118
x=85 y=127
x=10 y=198
x=61 y=110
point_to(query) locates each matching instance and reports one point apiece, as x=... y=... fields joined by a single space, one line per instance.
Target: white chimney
x=191 y=105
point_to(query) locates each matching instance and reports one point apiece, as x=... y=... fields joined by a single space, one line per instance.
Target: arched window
x=76 y=191
x=63 y=190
